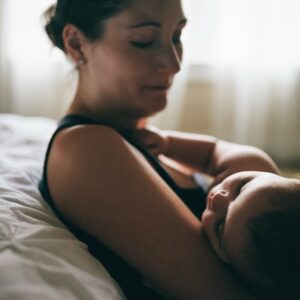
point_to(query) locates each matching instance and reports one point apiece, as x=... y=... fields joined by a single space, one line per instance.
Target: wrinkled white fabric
x=39 y=257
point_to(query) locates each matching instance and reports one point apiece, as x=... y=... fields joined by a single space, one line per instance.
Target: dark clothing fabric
x=127 y=277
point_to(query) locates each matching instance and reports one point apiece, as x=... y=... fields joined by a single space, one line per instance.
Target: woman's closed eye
x=142 y=44
x=143 y=39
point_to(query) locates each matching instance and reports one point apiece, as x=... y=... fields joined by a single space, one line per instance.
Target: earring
x=81 y=61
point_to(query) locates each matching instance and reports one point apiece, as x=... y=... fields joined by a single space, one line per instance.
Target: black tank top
x=131 y=281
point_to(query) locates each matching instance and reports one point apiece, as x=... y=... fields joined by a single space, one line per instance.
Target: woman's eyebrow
x=147 y=23
x=156 y=24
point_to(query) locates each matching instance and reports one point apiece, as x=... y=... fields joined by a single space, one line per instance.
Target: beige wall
x=282 y=144
x=197 y=109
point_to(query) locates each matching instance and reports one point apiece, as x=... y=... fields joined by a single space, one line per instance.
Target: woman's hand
x=153 y=139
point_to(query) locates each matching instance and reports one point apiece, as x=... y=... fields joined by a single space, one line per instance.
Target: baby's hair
x=273 y=260
x=87 y=15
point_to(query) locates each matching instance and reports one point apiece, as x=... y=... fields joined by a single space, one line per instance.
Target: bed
x=39 y=257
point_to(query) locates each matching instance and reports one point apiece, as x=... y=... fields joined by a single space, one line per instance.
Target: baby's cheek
x=206 y=220
x=216 y=242
x=236 y=244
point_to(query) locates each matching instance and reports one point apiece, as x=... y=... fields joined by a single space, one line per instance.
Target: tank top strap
x=73 y=120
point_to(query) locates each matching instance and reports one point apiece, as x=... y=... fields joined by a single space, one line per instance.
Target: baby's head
x=252 y=221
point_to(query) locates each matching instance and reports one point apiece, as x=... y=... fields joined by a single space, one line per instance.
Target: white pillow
x=39 y=257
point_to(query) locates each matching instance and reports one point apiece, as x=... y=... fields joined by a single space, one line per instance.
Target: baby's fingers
x=143 y=136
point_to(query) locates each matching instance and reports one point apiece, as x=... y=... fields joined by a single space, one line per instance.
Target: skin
x=204 y=153
x=148 y=55
x=105 y=186
x=234 y=202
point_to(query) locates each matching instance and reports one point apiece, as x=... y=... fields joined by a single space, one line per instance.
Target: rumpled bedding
x=39 y=257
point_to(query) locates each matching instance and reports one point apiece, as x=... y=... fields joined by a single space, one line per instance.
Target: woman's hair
x=272 y=262
x=87 y=15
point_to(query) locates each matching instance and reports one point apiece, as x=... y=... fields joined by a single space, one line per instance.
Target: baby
x=252 y=221
x=252 y=215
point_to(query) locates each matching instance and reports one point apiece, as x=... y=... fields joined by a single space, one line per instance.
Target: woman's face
x=233 y=203
x=133 y=65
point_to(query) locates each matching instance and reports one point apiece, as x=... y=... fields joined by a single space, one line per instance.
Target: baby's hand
x=153 y=139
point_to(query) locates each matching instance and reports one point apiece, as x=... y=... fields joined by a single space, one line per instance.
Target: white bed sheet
x=39 y=257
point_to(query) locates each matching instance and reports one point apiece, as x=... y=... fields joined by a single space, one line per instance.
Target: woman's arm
x=105 y=187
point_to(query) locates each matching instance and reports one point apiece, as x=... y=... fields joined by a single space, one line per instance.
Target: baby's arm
x=192 y=150
x=229 y=158
x=205 y=153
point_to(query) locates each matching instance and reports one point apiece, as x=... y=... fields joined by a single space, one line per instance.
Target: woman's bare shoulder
x=83 y=137
x=87 y=146
x=84 y=154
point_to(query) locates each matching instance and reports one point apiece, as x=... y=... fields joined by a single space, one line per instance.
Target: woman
x=111 y=192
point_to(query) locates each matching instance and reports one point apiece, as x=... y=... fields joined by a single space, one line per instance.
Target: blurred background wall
x=239 y=80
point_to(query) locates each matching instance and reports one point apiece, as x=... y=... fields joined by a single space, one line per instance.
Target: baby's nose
x=219 y=200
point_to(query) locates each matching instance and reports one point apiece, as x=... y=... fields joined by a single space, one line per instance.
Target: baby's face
x=233 y=203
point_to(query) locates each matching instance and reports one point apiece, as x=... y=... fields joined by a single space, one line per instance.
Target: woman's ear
x=74 y=41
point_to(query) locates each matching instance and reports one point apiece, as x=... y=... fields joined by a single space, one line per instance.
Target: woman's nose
x=169 y=61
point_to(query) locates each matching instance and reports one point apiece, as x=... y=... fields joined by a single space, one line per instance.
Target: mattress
x=39 y=257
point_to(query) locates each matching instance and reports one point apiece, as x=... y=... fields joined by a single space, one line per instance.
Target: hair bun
x=53 y=27
x=87 y=15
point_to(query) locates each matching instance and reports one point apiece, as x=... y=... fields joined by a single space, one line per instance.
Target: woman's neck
x=112 y=118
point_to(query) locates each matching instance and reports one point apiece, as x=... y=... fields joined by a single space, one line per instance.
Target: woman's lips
x=158 y=88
